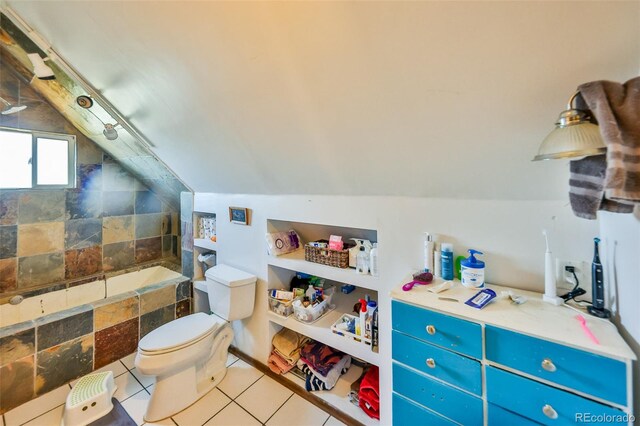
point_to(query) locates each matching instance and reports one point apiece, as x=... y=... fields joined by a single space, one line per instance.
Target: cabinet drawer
x=442 y=330
x=452 y=403
x=445 y=365
x=498 y=416
x=407 y=412
x=529 y=399
x=589 y=373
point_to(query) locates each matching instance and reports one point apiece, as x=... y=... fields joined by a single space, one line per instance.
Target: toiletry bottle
x=372 y=307
x=446 y=254
x=437 y=261
x=428 y=252
x=362 y=261
x=311 y=293
x=374 y=332
x=373 y=260
x=472 y=271
x=363 y=317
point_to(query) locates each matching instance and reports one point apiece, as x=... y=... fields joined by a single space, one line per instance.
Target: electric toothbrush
x=597 y=285
x=550 y=294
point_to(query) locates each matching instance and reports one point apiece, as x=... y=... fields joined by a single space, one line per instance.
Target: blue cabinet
x=449 y=369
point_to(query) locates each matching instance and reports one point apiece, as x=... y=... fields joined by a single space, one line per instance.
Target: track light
x=40 y=69
x=110 y=132
x=10 y=109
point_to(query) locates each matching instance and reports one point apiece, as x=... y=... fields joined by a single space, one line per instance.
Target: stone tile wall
x=109 y=222
x=41 y=355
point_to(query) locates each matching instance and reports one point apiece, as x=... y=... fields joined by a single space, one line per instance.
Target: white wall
x=507 y=231
x=621 y=253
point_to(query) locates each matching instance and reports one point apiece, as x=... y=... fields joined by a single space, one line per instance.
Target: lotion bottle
x=428 y=252
x=446 y=250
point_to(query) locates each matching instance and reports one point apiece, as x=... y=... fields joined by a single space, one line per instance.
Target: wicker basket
x=326 y=256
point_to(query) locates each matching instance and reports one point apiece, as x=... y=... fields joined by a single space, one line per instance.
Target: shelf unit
x=280 y=271
x=321 y=329
x=205 y=243
x=295 y=262
x=201 y=245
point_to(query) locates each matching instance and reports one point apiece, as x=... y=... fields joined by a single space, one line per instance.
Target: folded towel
x=288 y=342
x=369 y=396
x=315 y=381
x=617 y=108
x=277 y=364
x=291 y=359
x=320 y=356
x=586 y=188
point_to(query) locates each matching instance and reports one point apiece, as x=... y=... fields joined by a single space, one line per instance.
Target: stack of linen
x=286 y=350
x=322 y=366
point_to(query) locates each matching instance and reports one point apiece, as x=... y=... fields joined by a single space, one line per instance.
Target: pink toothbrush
x=587 y=331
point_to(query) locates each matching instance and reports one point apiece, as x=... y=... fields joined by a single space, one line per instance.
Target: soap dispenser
x=472 y=271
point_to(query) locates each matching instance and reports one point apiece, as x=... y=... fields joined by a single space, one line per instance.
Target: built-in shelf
x=338 y=396
x=321 y=329
x=295 y=262
x=205 y=243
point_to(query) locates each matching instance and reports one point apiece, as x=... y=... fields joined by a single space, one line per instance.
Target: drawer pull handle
x=550 y=412
x=431 y=363
x=431 y=329
x=548 y=365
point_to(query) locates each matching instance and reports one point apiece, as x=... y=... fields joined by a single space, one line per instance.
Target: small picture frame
x=239 y=215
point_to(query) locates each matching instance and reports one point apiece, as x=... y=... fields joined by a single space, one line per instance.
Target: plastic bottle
x=373 y=260
x=446 y=254
x=311 y=293
x=472 y=271
x=362 y=261
x=428 y=252
x=363 y=318
x=372 y=307
x=437 y=261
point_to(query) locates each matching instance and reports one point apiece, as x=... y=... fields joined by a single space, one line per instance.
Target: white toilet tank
x=232 y=292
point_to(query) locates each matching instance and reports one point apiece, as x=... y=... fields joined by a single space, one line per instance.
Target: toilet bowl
x=188 y=355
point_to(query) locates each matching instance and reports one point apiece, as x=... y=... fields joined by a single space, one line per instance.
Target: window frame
x=71 y=152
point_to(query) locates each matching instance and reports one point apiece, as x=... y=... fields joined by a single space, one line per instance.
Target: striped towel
x=586 y=188
x=617 y=108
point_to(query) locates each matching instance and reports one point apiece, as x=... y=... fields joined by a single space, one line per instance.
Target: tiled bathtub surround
x=109 y=222
x=40 y=355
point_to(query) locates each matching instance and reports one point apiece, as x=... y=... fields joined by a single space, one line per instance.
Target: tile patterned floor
x=245 y=397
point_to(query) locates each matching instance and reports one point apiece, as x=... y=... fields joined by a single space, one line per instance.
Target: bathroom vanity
x=505 y=364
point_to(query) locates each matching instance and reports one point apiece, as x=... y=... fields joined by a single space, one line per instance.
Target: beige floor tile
x=136 y=406
x=205 y=408
x=232 y=415
x=50 y=418
x=128 y=361
x=334 y=422
x=127 y=386
x=144 y=379
x=165 y=422
x=35 y=407
x=240 y=376
x=264 y=398
x=298 y=412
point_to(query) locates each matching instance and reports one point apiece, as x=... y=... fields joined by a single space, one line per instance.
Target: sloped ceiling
x=439 y=99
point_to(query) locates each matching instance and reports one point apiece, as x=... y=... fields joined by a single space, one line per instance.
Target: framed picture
x=239 y=215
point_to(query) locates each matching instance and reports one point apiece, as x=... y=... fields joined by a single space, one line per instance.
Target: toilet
x=188 y=355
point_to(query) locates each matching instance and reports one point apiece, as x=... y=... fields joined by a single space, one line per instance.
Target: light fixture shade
x=578 y=140
x=110 y=132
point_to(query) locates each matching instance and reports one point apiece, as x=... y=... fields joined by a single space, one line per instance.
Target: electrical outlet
x=565 y=280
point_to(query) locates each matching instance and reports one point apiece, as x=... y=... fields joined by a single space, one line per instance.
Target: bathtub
x=55 y=301
x=51 y=339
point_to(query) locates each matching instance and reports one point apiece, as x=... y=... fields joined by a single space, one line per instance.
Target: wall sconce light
x=40 y=69
x=574 y=136
x=110 y=132
x=10 y=109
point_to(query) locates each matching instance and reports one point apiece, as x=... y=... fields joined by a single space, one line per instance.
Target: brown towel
x=617 y=108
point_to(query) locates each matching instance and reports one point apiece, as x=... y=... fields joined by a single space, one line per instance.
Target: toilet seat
x=179 y=333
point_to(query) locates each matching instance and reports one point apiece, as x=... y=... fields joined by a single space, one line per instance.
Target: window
x=36 y=160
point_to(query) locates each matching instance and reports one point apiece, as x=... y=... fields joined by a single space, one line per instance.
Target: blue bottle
x=446 y=254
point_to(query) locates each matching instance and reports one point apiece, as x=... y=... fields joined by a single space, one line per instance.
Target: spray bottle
x=360 y=326
x=353 y=251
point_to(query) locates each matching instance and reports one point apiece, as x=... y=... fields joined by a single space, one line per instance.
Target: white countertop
x=535 y=317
